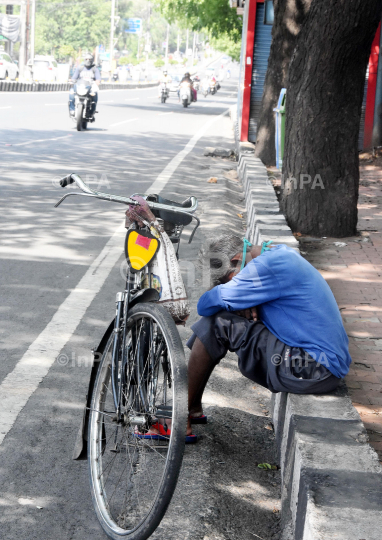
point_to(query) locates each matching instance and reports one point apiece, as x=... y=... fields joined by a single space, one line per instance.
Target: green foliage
x=65 y=52
x=80 y=26
x=267 y=466
x=68 y=29
x=173 y=62
x=215 y=16
x=159 y=62
x=227 y=45
x=128 y=60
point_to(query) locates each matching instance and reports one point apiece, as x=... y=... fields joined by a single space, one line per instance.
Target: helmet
x=89 y=60
x=165 y=72
x=187 y=74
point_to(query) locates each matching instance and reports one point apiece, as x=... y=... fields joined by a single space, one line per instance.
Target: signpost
x=134 y=26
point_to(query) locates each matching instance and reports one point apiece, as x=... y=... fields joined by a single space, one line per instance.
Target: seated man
x=276 y=312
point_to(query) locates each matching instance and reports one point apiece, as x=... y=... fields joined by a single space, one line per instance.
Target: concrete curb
x=16 y=86
x=331 y=477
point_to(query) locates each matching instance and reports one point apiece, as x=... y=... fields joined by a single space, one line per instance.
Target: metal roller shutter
x=263 y=39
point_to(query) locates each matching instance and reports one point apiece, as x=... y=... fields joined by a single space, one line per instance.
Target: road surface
x=60 y=270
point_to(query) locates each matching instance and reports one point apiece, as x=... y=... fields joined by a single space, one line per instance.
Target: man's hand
x=249 y=313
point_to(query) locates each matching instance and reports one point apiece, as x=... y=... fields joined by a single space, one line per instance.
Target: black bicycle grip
x=66 y=180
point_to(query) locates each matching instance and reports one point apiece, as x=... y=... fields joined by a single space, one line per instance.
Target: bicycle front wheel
x=134 y=462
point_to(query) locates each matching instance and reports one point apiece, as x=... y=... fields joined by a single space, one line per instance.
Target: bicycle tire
x=99 y=426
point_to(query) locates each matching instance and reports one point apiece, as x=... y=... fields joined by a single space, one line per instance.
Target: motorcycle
x=185 y=94
x=115 y=76
x=196 y=82
x=164 y=92
x=213 y=88
x=83 y=104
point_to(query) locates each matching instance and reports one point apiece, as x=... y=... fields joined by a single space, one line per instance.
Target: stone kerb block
x=329 y=472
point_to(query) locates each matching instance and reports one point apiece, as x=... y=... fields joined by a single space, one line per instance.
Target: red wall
x=248 y=61
x=371 y=90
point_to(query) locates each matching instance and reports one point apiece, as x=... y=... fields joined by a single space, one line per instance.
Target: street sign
x=2 y=38
x=134 y=26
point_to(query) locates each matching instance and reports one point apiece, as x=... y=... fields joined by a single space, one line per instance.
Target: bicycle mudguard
x=80 y=447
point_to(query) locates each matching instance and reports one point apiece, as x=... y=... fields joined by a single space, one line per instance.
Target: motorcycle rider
x=214 y=82
x=87 y=72
x=164 y=79
x=187 y=79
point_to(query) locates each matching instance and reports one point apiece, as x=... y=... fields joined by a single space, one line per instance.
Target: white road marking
x=6 y=107
x=111 y=101
x=168 y=171
x=124 y=122
x=164 y=113
x=19 y=385
x=132 y=99
x=41 y=140
x=55 y=104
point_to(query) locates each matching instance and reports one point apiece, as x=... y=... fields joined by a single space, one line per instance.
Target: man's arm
x=76 y=75
x=253 y=286
x=97 y=76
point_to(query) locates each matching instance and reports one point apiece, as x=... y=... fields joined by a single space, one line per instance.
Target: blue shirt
x=293 y=301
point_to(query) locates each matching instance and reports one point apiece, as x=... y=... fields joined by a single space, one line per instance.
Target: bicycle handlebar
x=75 y=178
x=88 y=192
x=66 y=180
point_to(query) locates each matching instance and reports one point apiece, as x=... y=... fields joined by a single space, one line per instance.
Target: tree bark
x=289 y=16
x=323 y=110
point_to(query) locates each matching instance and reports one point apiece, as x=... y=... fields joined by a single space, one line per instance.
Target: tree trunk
x=323 y=111
x=289 y=16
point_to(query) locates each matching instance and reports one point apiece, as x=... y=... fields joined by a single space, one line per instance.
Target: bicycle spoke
x=130 y=469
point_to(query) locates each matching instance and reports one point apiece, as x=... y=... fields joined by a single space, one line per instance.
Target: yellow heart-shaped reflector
x=141 y=247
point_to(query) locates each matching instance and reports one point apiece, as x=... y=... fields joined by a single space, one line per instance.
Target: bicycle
x=137 y=403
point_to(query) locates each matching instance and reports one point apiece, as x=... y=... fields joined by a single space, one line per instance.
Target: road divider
x=17 y=86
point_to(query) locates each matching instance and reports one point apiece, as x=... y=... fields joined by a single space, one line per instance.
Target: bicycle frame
x=123 y=300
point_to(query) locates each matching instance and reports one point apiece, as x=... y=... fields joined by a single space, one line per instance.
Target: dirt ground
x=222 y=494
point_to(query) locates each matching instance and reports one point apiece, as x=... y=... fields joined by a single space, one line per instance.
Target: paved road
x=60 y=269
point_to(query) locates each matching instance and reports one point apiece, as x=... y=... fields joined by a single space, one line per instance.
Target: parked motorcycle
x=84 y=100
x=164 y=92
x=115 y=76
x=185 y=94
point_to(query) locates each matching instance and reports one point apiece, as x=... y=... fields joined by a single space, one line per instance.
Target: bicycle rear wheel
x=133 y=473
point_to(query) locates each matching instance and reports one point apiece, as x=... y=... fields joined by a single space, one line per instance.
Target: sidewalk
x=354 y=273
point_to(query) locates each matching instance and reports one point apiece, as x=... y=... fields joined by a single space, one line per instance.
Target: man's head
x=223 y=254
x=165 y=72
x=187 y=75
x=89 y=60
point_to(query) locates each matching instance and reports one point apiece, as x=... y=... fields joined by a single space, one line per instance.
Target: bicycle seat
x=168 y=215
